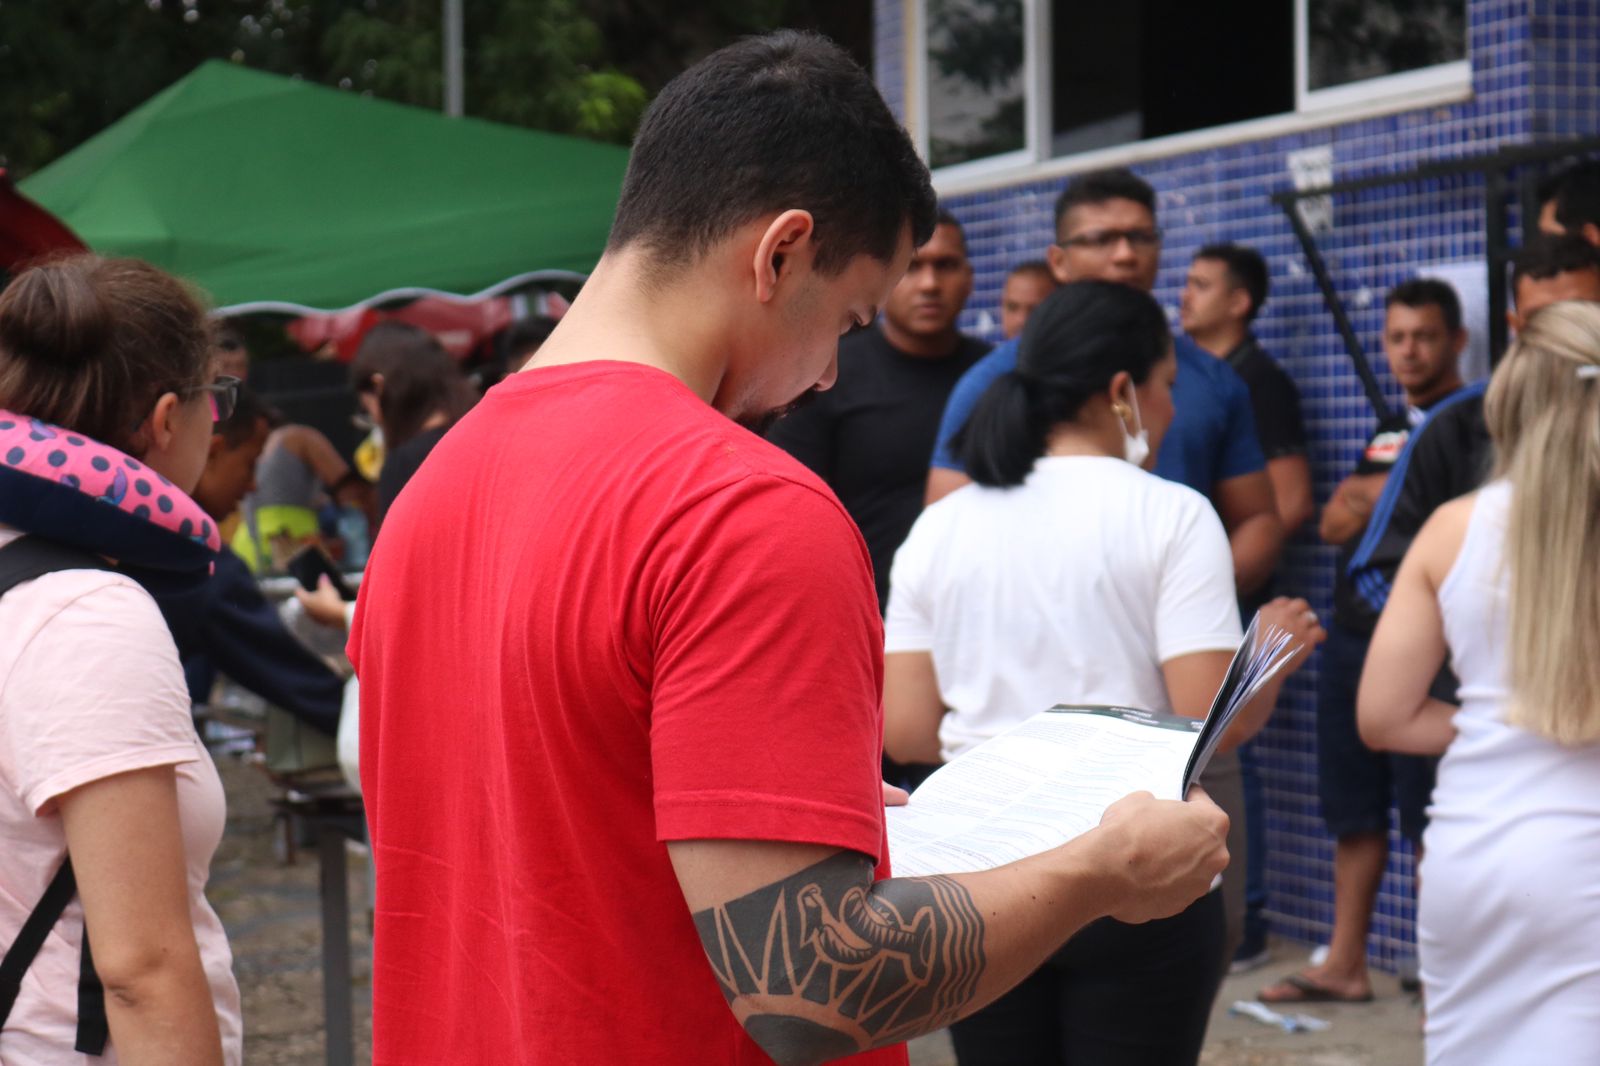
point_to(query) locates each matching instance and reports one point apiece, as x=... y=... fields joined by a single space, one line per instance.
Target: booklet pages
x=1051 y=777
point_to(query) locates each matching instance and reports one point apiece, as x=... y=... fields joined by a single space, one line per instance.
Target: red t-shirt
x=601 y=617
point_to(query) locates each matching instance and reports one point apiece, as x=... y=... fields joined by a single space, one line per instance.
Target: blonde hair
x=1543 y=411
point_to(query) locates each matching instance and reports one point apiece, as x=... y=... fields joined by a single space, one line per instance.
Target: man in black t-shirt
x=1423 y=341
x=1224 y=291
x=870 y=436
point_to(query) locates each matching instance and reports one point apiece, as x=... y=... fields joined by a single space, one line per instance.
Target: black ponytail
x=1078 y=339
x=1004 y=433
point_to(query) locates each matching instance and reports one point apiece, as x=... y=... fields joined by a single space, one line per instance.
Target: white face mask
x=1135 y=445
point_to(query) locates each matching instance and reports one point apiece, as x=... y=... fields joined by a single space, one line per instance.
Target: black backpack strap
x=23 y=560
x=93 y=1029
x=32 y=936
x=29 y=557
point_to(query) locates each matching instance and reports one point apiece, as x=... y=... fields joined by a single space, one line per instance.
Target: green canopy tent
x=278 y=195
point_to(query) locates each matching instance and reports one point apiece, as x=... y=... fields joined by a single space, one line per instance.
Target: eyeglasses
x=1104 y=240
x=224 y=396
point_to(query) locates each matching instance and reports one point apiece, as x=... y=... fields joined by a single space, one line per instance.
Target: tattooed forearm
x=825 y=963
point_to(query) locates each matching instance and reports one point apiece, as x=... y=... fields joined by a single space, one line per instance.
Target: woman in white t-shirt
x=1067 y=573
x=1506 y=583
x=107 y=402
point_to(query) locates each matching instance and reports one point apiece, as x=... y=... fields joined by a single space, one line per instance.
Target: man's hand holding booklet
x=1051 y=777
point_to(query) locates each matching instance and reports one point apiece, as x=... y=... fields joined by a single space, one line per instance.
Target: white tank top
x=1509 y=915
x=1494 y=771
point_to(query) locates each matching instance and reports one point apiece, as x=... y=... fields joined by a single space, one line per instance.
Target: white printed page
x=1035 y=787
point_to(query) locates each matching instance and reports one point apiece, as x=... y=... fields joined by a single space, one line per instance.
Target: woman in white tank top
x=1506 y=581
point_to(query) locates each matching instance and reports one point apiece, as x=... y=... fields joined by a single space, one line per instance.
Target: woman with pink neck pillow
x=110 y=806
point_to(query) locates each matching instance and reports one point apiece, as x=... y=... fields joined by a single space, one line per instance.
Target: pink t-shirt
x=90 y=686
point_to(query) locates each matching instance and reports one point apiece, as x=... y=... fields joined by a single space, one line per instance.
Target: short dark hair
x=946 y=218
x=1246 y=270
x=1428 y=292
x=1033 y=266
x=226 y=337
x=1576 y=191
x=527 y=334
x=1077 y=339
x=1547 y=255
x=1099 y=186
x=786 y=120
x=249 y=411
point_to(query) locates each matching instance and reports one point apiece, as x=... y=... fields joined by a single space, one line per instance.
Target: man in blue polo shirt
x=1106 y=230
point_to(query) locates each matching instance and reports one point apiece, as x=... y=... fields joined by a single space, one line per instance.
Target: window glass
x=1135 y=69
x=976 y=104
x=1355 y=40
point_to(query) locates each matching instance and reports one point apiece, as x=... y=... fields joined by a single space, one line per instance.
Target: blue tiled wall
x=888 y=51
x=1535 y=74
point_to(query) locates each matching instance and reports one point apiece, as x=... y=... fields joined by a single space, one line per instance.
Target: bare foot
x=1317 y=985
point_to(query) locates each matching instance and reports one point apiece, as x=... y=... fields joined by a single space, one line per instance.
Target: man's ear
x=1056 y=257
x=219 y=444
x=1459 y=342
x=1590 y=233
x=1514 y=321
x=785 y=238
x=1239 y=302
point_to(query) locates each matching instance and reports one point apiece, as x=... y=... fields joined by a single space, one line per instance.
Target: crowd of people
x=744 y=548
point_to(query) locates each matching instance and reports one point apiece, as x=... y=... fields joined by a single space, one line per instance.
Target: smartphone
x=310 y=563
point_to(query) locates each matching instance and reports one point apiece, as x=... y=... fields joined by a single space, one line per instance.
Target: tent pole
x=452 y=58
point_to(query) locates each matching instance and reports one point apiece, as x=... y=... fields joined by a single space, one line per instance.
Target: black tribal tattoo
x=821 y=964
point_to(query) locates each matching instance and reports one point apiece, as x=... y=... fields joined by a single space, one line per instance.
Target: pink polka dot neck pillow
x=68 y=488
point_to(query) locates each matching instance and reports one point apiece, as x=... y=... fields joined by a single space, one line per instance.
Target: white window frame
x=1429 y=87
x=1443 y=76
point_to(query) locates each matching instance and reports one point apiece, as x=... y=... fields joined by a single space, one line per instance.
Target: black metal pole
x=1319 y=270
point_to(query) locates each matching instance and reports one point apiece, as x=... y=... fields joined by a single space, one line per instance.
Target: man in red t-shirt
x=621 y=659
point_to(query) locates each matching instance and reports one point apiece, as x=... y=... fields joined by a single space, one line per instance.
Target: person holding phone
x=231 y=628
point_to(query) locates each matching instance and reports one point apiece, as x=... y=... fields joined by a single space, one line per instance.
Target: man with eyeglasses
x=1106 y=230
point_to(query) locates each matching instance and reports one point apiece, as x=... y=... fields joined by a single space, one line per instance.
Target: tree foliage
x=587 y=67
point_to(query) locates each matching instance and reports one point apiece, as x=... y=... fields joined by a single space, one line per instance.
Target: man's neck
x=621 y=316
x=1443 y=388
x=922 y=345
x=1221 y=341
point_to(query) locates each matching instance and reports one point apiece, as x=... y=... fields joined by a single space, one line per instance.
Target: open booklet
x=1051 y=777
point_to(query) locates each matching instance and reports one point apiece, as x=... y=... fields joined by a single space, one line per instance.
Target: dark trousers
x=1115 y=995
x=1354 y=782
x=1255 y=821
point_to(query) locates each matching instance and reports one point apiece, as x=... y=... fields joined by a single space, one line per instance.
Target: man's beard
x=761 y=424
